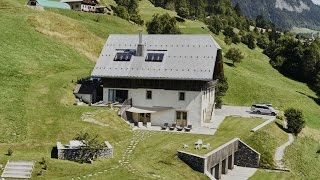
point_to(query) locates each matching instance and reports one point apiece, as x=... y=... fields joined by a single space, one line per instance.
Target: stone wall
x=196 y=162
x=246 y=156
x=74 y=153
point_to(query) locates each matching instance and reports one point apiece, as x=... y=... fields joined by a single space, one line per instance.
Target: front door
x=181 y=118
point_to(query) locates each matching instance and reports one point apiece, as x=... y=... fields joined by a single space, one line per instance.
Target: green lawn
x=270 y=175
x=44 y=52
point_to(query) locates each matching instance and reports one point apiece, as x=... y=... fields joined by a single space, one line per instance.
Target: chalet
x=85 y=5
x=48 y=4
x=161 y=78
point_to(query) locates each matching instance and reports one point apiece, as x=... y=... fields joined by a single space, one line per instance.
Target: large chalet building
x=165 y=78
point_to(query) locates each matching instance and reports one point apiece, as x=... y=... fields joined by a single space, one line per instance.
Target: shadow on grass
x=281 y=127
x=229 y=64
x=54 y=152
x=316 y=100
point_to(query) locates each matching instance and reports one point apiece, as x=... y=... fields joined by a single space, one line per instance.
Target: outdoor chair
x=199 y=142
x=165 y=126
x=179 y=128
x=206 y=146
x=197 y=147
x=185 y=145
x=173 y=126
x=188 y=128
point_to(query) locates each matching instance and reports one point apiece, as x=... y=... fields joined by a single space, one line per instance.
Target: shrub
x=9 y=152
x=234 y=55
x=163 y=24
x=295 y=120
x=136 y=18
x=228 y=40
x=122 y=12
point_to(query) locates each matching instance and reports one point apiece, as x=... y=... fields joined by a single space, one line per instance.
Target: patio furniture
x=173 y=126
x=165 y=126
x=199 y=142
x=148 y=124
x=197 y=147
x=188 y=128
x=179 y=128
x=206 y=146
x=185 y=146
x=140 y=124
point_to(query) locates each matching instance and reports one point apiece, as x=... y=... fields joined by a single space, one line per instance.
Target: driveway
x=242 y=111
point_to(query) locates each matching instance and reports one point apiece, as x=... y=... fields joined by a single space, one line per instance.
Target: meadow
x=43 y=53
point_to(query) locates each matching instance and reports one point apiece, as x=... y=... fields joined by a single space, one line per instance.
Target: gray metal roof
x=187 y=57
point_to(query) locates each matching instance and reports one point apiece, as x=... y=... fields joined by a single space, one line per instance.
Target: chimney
x=140 y=48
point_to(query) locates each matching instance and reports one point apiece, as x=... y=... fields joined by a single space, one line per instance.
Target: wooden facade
x=180 y=85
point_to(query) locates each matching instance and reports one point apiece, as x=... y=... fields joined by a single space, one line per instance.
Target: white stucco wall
x=87 y=8
x=207 y=98
x=166 y=98
x=87 y=98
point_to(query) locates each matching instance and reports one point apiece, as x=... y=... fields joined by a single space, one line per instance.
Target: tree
x=227 y=40
x=251 y=41
x=236 y=39
x=237 y=9
x=136 y=18
x=228 y=31
x=261 y=22
x=90 y=149
x=182 y=8
x=183 y=12
x=295 y=120
x=122 y=12
x=234 y=55
x=262 y=41
x=163 y=24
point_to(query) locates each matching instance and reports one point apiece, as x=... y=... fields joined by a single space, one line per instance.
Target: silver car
x=263 y=109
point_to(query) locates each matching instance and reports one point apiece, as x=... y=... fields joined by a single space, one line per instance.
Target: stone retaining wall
x=74 y=153
x=196 y=162
x=246 y=156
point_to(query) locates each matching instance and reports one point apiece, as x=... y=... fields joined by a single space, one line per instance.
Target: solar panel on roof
x=155 y=57
x=122 y=57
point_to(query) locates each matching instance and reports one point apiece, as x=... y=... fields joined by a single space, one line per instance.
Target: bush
x=295 y=120
x=227 y=40
x=163 y=24
x=234 y=55
x=9 y=152
x=122 y=12
x=136 y=18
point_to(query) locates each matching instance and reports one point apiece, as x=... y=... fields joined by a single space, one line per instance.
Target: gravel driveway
x=242 y=111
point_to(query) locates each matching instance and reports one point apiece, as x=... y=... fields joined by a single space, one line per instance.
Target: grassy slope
x=36 y=96
x=36 y=83
x=158 y=154
x=254 y=80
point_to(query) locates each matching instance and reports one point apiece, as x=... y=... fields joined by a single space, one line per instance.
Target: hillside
x=44 y=52
x=283 y=13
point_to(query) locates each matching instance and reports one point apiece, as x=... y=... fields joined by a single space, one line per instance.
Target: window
x=181 y=96
x=149 y=95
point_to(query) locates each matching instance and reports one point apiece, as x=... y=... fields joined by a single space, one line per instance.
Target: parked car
x=263 y=109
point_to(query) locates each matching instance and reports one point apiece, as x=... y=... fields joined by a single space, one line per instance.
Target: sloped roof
x=186 y=57
x=53 y=4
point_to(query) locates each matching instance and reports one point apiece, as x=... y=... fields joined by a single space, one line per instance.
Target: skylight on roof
x=155 y=57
